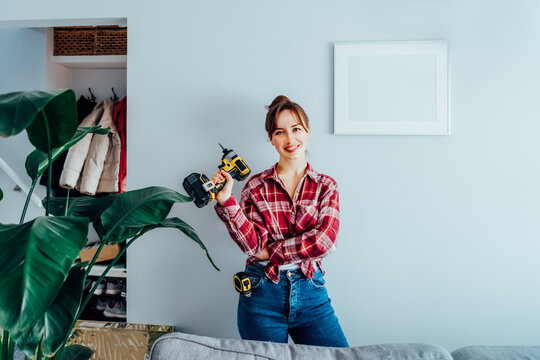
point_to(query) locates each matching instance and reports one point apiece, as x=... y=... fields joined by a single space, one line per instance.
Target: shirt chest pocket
x=307 y=215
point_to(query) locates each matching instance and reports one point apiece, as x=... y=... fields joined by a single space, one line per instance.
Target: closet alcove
x=102 y=77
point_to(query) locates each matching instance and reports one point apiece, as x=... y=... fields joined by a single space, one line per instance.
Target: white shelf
x=97 y=270
x=92 y=61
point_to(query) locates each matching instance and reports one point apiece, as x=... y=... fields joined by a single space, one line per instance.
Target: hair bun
x=280 y=99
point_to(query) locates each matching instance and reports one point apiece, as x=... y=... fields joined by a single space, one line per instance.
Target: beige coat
x=96 y=156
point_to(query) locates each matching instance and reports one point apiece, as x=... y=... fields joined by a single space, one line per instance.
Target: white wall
x=439 y=235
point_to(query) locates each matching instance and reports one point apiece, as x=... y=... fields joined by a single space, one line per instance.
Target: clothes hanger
x=92 y=98
x=115 y=97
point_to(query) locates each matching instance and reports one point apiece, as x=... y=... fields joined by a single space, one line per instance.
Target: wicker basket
x=83 y=40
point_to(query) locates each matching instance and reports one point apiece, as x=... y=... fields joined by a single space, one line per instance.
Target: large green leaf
x=133 y=210
x=60 y=116
x=37 y=162
x=84 y=206
x=18 y=110
x=34 y=263
x=23 y=110
x=183 y=227
x=55 y=323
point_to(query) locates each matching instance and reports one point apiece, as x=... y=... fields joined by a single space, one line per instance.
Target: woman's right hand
x=224 y=194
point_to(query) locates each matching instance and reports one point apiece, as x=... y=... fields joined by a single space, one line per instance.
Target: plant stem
x=96 y=255
x=3 y=342
x=7 y=346
x=11 y=348
x=67 y=203
x=49 y=181
x=49 y=154
x=91 y=293
x=39 y=352
x=34 y=182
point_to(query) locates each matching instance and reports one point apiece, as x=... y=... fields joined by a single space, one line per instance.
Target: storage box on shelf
x=87 y=40
x=108 y=252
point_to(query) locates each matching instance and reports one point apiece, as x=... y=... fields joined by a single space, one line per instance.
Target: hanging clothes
x=84 y=108
x=77 y=153
x=101 y=167
x=96 y=156
x=120 y=113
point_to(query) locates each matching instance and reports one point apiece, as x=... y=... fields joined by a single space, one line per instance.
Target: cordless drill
x=203 y=190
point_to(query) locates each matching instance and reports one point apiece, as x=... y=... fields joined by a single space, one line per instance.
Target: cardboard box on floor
x=115 y=340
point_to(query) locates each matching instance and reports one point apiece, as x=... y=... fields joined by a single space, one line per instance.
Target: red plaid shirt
x=300 y=230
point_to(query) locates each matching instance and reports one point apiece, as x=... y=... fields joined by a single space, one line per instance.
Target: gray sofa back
x=179 y=346
x=497 y=353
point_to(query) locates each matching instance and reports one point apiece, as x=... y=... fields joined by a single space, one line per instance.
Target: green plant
x=41 y=285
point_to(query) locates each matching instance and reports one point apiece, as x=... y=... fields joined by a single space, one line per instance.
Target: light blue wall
x=22 y=59
x=439 y=235
x=22 y=67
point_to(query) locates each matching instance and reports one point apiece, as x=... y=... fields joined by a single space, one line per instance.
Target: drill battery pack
x=193 y=184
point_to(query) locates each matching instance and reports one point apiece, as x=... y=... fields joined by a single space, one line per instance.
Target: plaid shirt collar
x=273 y=174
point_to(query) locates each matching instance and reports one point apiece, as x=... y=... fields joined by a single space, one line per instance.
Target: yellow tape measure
x=242 y=283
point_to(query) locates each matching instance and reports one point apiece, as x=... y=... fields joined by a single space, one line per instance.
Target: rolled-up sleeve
x=244 y=223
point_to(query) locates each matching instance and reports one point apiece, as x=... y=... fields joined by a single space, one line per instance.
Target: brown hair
x=280 y=103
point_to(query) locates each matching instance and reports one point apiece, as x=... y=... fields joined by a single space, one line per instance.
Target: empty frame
x=391 y=88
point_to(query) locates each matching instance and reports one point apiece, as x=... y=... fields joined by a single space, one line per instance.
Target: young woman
x=286 y=221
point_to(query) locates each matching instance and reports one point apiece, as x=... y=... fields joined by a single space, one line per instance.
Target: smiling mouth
x=292 y=149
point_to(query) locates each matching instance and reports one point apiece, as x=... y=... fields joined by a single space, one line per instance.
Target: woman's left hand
x=263 y=255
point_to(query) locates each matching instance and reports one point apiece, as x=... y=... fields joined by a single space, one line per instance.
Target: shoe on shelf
x=114 y=287
x=123 y=293
x=101 y=287
x=115 y=309
x=101 y=304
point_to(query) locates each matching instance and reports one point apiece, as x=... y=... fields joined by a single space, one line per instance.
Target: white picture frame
x=391 y=88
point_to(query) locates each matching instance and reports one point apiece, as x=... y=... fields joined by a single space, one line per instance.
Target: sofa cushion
x=177 y=346
x=497 y=353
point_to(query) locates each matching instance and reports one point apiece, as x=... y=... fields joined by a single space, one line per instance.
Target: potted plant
x=41 y=284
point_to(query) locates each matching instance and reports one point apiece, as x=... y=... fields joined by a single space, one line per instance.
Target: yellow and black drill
x=203 y=190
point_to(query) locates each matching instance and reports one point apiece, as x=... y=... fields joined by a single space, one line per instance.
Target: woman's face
x=290 y=137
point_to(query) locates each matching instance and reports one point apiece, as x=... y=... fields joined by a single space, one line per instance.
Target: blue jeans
x=296 y=305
